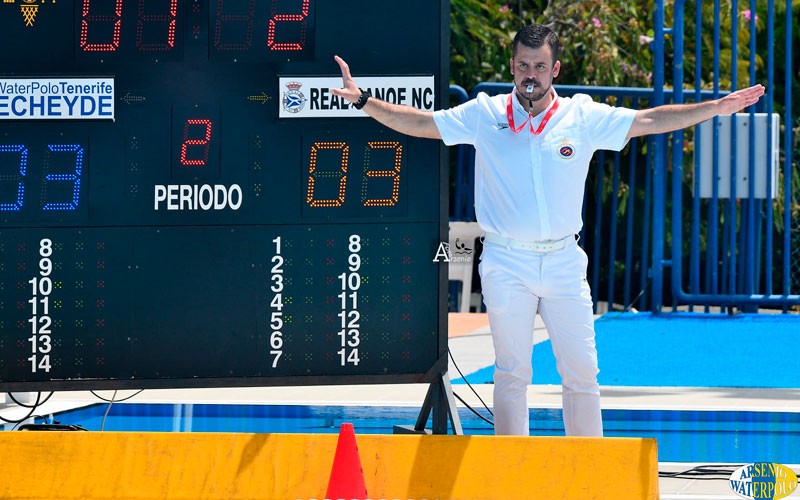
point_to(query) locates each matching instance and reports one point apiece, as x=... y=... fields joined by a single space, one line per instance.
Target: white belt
x=534 y=246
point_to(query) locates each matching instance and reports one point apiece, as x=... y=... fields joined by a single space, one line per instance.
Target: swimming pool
x=682 y=435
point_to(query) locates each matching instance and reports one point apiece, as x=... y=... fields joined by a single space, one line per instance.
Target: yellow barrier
x=195 y=466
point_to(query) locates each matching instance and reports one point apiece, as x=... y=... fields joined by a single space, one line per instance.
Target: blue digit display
x=74 y=177
x=42 y=180
x=19 y=178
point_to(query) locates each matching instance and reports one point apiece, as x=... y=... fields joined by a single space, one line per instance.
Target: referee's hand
x=349 y=90
x=737 y=101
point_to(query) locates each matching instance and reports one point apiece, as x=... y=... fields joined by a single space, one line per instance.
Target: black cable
x=11 y=395
x=33 y=409
x=641 y=292
x=110 y=402
x=467 y=382
x=473 y=410
x=704 y=472
x=116 y=400
x=19 y=424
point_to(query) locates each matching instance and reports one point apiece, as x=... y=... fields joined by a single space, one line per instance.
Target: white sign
x=56 y=98
x=311 y=97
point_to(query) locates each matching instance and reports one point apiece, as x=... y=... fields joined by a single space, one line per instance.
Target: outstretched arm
x=404 y=119
x=671 y=117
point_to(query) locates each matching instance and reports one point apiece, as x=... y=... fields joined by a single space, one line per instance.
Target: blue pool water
x=682 y=350
x=683 y=436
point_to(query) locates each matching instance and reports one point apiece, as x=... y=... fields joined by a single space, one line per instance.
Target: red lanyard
x=547 y=116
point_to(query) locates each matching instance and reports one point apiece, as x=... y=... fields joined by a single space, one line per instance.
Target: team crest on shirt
x=566 y=150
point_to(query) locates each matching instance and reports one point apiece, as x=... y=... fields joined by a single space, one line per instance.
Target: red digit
x=288 y=18
x=115 y=21
x=195 y=143
x=168 y=19
x=230 y=42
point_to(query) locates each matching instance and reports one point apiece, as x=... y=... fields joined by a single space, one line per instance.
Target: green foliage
x=480 y=39
x=608 y=42
x=604 y=43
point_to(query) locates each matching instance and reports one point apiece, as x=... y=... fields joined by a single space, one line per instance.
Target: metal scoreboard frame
x=183 y=203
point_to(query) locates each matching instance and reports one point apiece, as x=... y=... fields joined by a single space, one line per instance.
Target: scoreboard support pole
x=440 y=401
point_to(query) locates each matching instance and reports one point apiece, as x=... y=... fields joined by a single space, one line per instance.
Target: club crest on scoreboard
x=312 y=97
x=293 y=100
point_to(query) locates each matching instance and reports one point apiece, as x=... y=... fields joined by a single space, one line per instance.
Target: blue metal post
x=629 y=220
x=750 y=255
x=612 y=244
x=598 y=226
x=677 y=152
x=712 y=239
x=694 y=254
x=731 y=219
x=768 y=288
x=787 y=163
x=659 y=184
x=647 y=217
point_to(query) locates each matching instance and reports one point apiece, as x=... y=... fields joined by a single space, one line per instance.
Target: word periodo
x=194 y=197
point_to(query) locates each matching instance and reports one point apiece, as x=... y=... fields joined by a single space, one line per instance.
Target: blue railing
x=731 y=256
x=739 y=265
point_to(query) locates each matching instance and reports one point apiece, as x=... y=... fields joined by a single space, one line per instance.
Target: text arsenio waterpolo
x=763 y=480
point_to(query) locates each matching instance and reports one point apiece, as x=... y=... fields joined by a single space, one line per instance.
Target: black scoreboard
x=184 y=203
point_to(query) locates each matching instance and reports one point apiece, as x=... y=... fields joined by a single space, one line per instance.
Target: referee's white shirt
x=530 y=187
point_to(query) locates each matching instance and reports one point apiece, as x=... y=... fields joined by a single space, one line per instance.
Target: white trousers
x=516 y=285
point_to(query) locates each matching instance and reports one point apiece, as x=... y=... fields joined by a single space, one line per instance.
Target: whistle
x=530 y=88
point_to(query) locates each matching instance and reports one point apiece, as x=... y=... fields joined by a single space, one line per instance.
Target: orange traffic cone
x=347 y=476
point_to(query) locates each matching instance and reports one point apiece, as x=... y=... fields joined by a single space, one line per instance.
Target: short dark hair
x=535 y=36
